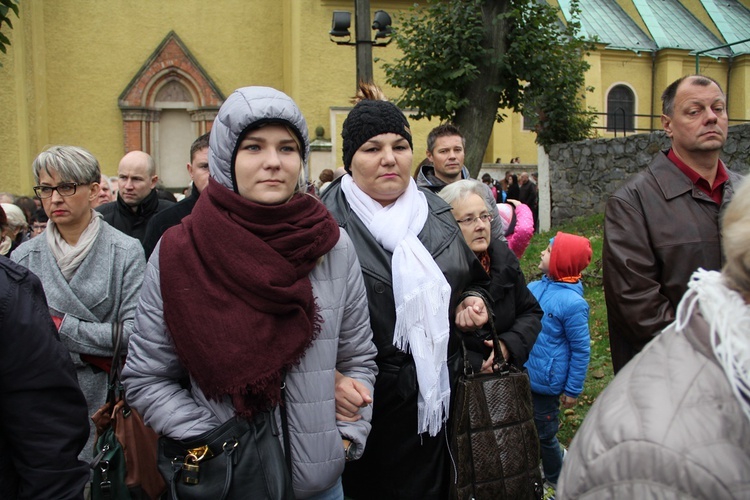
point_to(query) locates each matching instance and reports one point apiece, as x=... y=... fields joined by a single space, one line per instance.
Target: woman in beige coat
x=675 y=422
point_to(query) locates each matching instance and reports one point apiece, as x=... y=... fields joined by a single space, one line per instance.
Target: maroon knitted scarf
x=237 y=298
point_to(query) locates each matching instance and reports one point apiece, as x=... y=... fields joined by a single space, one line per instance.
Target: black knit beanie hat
x=368 y=119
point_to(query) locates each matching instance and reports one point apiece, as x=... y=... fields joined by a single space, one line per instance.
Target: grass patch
x=600 y=366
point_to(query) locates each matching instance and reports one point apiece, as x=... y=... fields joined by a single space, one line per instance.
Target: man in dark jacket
x=663 y=223
x=137 y=199
x=198 y=170
x=43 y=414
x=445 y=152
x=529 y=196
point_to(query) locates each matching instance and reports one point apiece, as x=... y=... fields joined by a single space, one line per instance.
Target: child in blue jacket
x=560 y=357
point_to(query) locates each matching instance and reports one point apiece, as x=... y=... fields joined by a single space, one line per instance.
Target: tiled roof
x=673 y=26
x=669 y=24
x=605 y=20
x=733 y=21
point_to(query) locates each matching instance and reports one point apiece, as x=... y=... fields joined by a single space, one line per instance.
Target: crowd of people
x=337 y=310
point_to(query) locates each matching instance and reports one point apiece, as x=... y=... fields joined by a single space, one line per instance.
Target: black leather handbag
x=493 y=438
x=240 y=459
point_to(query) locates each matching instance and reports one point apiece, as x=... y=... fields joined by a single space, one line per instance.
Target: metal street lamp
x=340 y=34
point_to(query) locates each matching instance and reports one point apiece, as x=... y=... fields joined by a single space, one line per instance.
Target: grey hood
x=245 y=107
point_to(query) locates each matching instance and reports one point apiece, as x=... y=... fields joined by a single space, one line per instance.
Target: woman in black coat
x=517 y=314
x=415 y=266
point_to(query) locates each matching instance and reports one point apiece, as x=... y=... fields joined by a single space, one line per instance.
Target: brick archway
x=171 y=66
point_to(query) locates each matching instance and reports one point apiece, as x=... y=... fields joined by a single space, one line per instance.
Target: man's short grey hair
x=667 y=97
x=72 y=164
x=736 y=239
x=460 y=190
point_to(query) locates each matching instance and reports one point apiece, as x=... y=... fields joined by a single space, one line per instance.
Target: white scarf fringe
x=420 y=291
x=728 y=317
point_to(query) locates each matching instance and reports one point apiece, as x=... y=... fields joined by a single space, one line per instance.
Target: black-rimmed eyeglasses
x=64 y=189
x=468 y=221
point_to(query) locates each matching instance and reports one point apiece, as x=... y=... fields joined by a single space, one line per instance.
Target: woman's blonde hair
x=736 y=240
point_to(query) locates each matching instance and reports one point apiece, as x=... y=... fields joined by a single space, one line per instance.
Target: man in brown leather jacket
x=663 y=223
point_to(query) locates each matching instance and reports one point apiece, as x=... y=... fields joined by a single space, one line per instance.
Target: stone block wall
x=583 y=174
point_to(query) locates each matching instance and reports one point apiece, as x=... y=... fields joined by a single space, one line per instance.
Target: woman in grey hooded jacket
x=259 y=281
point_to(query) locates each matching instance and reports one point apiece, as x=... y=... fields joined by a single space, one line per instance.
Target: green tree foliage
x=463 y=60
x=5 y=7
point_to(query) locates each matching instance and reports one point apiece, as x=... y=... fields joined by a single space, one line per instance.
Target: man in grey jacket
x=446 y=148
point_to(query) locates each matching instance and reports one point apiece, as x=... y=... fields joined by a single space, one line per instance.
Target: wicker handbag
x=493 y=437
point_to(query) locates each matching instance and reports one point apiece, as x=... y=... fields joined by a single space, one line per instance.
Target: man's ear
x=666 y=124
x=428 y=153
x=154 y=180
x=95 y=188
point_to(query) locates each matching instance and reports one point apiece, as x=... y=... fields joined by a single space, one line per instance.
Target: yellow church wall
x=94 y=52
x=593 y=80
x=71 y=59
x=22 y=100
x=634 y=71
x=326 y=74
x=739 y=102
x=10 y=120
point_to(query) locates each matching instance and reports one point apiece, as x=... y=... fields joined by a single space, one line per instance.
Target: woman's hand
x=487 y=363
x=471 y=314
x=351 y=395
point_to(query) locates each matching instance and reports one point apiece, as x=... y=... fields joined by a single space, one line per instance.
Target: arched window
x=620 y=109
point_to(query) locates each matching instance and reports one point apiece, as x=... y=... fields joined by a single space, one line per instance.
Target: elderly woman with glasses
x=91 y=272
x=518 y=316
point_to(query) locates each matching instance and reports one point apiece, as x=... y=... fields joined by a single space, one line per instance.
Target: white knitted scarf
x=420 y=291
x=69 y=257
x=728 y=317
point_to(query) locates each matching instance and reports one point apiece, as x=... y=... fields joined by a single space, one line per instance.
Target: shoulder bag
x=493 y=438
x=124 y=465
x=240 y=459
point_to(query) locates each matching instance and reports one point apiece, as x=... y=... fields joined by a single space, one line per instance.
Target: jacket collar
x=437 y=233
x=673 y=183
x=427 y=178
x=148 y=206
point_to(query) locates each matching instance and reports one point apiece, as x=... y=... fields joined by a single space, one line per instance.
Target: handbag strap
x=114 y=371
x=497 y=366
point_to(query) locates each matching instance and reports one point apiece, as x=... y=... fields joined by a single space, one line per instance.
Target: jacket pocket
x=549 y=371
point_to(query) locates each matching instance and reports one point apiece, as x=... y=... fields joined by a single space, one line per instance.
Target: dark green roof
x=673 y=26
x=733 y=21
x=605 y=20
x=669 y=25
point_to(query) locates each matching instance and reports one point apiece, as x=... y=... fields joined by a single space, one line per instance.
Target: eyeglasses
x=468 y=221
x=38 y=227
x=65 y=189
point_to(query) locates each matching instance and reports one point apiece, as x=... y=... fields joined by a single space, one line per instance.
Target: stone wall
x=583 y=174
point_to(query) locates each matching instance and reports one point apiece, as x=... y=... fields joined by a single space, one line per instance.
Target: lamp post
x=364 y=44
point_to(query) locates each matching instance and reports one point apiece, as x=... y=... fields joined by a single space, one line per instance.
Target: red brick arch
x=170 y=62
